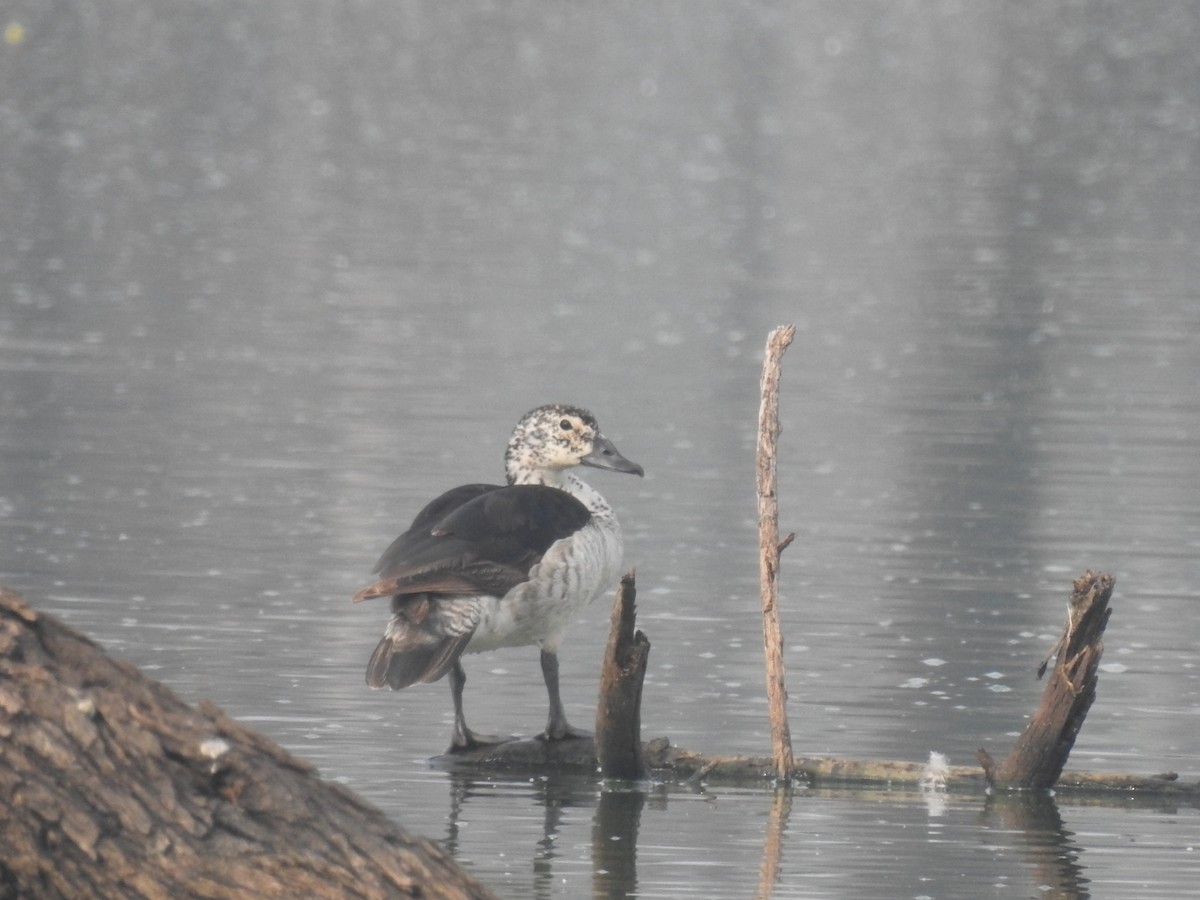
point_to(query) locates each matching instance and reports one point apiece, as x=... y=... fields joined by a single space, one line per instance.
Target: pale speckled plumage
x=572 y=573
x=431 y=627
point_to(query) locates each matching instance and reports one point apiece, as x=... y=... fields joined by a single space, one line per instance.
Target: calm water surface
x=273 y=274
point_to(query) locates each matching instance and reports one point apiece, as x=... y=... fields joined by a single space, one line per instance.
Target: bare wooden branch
x=619 y=710
x=770 y=548
x=114 y=787
x=1041 y=752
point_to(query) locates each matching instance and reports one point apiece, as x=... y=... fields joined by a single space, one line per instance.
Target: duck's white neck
x=565 y=481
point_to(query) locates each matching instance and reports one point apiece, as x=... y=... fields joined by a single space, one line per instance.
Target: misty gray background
x=274 y=274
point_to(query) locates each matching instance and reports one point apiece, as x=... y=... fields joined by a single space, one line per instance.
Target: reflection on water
x=273 y=274
x=1049 y=849
x=615 y=843
x=797 y=843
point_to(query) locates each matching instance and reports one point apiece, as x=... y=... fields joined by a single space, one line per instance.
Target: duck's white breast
x=572 y=573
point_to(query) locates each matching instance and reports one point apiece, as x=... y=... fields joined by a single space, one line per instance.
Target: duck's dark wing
x=433 y=513
x=485 y=541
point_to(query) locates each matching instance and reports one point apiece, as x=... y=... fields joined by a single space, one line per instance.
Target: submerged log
x=116 y=788
x=1041 y=752
x=674 y=765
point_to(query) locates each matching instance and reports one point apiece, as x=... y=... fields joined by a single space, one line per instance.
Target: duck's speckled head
x=556 y=437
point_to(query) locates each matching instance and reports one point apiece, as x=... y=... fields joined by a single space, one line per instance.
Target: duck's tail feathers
x=400 y=661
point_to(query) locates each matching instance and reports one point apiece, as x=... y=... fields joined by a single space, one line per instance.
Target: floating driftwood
x=114 y=787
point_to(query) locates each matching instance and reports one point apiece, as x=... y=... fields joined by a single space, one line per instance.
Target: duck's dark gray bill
x=605 y=455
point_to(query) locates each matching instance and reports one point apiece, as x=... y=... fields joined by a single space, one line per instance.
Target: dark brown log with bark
x=113 y=787
x=619 y=711
x=1041 y=752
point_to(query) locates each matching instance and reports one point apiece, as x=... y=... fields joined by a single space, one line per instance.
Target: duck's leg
x=464 y=738
x=557 y=727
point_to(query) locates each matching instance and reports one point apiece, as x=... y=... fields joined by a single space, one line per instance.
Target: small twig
x=700 y=774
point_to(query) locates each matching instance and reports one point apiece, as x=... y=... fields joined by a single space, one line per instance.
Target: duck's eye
x=565 y=425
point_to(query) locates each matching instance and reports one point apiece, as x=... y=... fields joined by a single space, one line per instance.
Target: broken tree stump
x=619 y=709
x=1040 y=754
x=114 y=787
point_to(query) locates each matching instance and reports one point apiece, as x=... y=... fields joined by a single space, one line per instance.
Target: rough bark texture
x=1041 y=752
x=113 y=787
x=770 y=549
x=619 y=710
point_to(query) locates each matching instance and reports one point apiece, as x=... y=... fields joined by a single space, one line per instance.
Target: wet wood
x=833 y=772
x=771 y=548
x=674 y=765
x=619 y=710
x=525 y=756
x=114 y=787
x=1042 y=750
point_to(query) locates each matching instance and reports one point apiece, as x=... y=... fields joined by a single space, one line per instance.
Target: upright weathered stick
x=619 y=710
x=770 y=548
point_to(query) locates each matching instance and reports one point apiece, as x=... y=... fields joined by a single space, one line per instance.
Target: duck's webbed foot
x=464 y=740
x=562 y=731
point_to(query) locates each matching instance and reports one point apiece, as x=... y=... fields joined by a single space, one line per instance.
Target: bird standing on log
x=486 y=566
